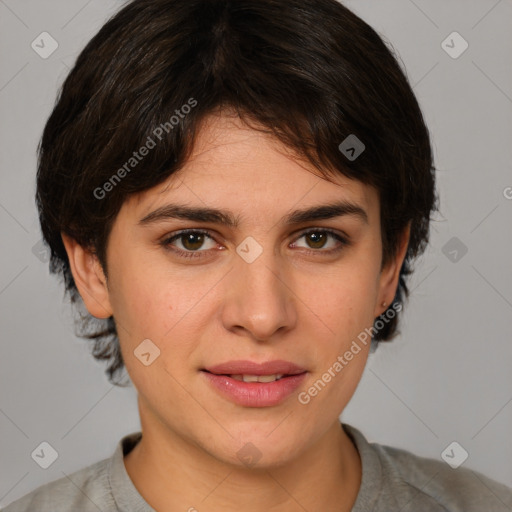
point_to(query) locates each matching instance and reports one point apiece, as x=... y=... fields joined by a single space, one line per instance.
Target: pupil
x=189 y=239
x=320 y=239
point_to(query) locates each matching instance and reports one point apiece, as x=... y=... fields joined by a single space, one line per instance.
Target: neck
x=172 y=474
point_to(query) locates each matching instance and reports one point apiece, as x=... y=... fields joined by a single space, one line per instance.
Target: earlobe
x=89 y=278
x=391 y=273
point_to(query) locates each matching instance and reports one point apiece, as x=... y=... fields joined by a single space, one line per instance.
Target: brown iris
x=188 y=240
x=318 y=239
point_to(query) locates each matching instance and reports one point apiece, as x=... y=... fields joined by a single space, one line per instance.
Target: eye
x=190 y=240
x=316 y=239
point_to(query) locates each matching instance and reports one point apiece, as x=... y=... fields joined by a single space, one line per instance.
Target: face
x=262 y=297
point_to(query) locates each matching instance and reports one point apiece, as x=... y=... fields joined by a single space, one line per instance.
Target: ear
x=388 y=280
x=89 y=278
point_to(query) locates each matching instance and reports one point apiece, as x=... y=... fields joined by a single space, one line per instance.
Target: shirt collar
x=125 y=494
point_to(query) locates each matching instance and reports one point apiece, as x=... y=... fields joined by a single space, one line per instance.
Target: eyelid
x=300 y=232
x=342 y=238
x=170 y=237
x=314 y=229
x=343 y=241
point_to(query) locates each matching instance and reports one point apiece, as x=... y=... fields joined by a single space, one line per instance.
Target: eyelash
x=344 y=242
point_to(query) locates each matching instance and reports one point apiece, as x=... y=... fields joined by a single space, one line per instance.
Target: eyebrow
x=226 y=218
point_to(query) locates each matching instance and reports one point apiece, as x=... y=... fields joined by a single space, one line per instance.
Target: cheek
x=141 y=295
x=149 y=302
x=343 y=301
x=136 y=303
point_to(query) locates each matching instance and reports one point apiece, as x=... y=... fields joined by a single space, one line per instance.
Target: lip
x=255 y=394
x=253 y=368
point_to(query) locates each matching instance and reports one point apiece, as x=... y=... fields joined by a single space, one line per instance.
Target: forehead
x=236 y=167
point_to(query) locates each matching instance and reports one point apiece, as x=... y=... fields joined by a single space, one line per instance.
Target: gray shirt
x=393 y=480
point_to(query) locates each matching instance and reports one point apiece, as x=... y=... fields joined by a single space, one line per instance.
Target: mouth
x=255 y=378
x=255 y=384
x=240 y=370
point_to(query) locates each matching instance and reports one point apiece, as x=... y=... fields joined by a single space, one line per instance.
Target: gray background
x=446 y=377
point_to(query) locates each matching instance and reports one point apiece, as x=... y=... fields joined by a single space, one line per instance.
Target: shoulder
x=434 y=482
x=85 y=490
x=394 y=478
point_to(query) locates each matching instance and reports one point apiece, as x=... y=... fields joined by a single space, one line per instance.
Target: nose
x=260 y=300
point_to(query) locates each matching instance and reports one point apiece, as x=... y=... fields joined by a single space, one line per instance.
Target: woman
x=236 y=190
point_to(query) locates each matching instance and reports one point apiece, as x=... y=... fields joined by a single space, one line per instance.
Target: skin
x=287 y=304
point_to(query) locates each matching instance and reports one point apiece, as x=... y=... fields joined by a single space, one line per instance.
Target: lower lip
x=255 y=394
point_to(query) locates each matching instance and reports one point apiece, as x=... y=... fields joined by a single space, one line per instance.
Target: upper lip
x=253 y=368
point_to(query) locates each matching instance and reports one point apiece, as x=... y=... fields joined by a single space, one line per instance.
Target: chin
x=260 y=450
